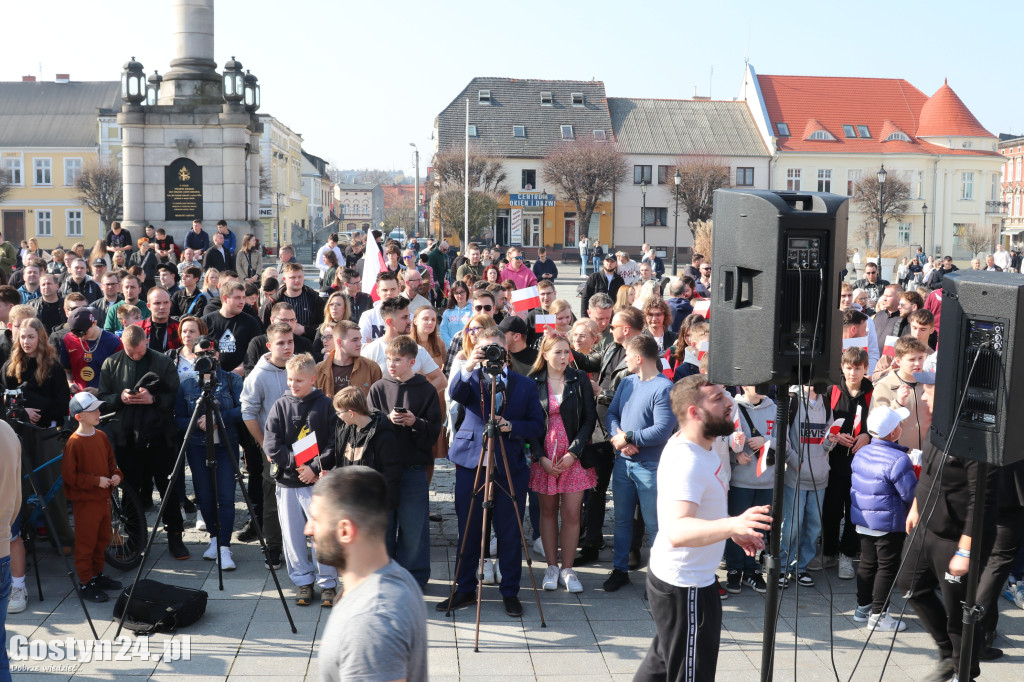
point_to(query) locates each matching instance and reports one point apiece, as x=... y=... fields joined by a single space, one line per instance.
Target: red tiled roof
x=945 y=114
x=836 y=101
x=813 y=126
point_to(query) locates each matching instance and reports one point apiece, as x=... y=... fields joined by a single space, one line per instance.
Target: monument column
x=193 y=77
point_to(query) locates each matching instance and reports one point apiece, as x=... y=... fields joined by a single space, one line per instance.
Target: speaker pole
x=771 y=557
x=973 y=611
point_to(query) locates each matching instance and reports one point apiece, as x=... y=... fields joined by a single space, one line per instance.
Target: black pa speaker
x=979 y=318
x=776 y=259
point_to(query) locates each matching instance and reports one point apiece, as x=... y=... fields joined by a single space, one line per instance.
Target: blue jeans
x=408 y=538
x=807 y=521
x=203 y=483
x=596 y=263
x=5 y=592
x=633 y=483
x=740 y=500
x=583 y=265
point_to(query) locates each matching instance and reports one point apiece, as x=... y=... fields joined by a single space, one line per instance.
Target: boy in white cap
x=883 y=484
x=89 y=471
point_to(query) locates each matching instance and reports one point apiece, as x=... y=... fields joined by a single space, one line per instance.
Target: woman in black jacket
x=34 y=368
x=557 y=476
x=365 y=438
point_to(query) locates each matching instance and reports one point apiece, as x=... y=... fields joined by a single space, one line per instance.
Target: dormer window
x=577 y=99
x=821 y=135
x=471 y=131
x=899 y=135
x=518 y=131
x=862 y=131
x=484 y=96
x=848 y=130
x=600 y=135
x=783 y=129
x=567 y=133
x=546 y=100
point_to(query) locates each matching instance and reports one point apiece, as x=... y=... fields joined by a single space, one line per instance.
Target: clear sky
x=361 y=80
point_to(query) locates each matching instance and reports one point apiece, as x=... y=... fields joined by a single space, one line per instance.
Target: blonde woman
x=99 y=250
x=624 y=298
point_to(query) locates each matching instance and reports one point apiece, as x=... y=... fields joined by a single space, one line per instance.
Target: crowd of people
x=393 y=375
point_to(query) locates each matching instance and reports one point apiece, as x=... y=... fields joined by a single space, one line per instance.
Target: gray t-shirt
x=377 y=632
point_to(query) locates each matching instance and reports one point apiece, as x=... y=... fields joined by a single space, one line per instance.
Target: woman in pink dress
x=557 y=476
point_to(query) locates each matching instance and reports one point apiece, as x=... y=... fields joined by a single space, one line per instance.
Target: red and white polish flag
x=859 y=342
x=856 y=421
x=762 y=458
x=542 y=321
x=525 y=299
x=373 y=265
x=702 y=307
x=305 y=450
x=890 y=346
x=836 y=427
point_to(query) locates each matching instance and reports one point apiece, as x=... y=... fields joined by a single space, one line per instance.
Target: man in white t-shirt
x=693 y=525
x=395 y=314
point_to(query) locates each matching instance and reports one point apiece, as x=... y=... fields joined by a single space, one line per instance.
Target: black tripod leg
x=257 y=526
x=179 y=468
x=462 y=545
x=34 y=481
x=211 y=466
x=773 y=570
x=487 y=506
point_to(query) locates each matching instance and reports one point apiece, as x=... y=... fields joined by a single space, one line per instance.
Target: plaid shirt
x=454 y=348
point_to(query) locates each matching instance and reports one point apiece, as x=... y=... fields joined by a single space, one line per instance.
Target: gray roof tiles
x=38 y=114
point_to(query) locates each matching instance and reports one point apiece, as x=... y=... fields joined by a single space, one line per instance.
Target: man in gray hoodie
x=266 y=383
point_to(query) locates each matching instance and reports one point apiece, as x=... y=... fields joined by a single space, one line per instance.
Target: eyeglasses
x=517 y=258
x=484 y=308
x=472 y=331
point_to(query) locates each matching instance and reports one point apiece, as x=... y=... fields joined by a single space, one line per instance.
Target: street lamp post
x=677 y=179
x=881 y=204
x=416 y=203
x=643 y=211
x=924 y=237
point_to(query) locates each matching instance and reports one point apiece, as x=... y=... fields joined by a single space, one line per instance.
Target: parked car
x=398 y=235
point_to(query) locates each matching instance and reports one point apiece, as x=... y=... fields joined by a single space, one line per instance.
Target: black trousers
x=879 y=561
x=271 y=522
x=154 y=463
x=1009 y=533
x=595 y=503
x=688 y=622
x=835 y=510
x=254 y=468
x=925 y=570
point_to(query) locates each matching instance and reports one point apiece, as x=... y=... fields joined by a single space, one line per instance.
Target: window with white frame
x=14 y=171
x=852 y=178
x=918 y=188
x=518 y=131
x=43 y=171
x=471 y=130
x=904 y=234
x=967 y=185
x=793 y=180
x=72 y=169
x=822 y=134
x=994 y=189
x=74 y=219
x=44 y=224
x=824 y=179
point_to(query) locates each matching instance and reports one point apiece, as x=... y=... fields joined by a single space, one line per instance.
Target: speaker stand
x=771 y=557
x=973 y=611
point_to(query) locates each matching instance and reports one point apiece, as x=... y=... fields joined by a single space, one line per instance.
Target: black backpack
x=157 y=607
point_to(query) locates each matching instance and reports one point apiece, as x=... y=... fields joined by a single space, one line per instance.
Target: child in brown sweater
x=89 y=471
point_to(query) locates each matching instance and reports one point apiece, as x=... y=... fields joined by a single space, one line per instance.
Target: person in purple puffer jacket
x=883 y=484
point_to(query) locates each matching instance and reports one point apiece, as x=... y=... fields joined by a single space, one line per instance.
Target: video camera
x=206 y=363
x=495 y=357
x=14 y=405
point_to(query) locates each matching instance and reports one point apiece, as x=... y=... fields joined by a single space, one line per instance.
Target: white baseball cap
x=84 y=402
x=883 y=420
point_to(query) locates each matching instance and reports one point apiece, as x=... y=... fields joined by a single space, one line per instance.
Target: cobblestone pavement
x=591 y=636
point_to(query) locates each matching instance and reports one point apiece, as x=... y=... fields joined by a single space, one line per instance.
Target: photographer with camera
x=210 y=483
x=519 y=419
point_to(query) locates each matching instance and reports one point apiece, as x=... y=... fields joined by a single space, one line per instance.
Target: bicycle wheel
x=128 y=529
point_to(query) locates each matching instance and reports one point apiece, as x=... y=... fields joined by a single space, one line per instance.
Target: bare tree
x=5 y=185
x=100 y=189
x=585 y=171
x=702 y=237
x=375 y=177
x=895 y=192
x=265 y=183
x=450 y=209
x=700 y=177
x=977 y=240
x=485 y=173
x=447 y=190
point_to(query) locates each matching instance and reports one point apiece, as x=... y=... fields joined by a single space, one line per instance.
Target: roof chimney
x=28 y=79
x=63 y=78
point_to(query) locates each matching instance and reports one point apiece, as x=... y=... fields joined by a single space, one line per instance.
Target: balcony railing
x=996 y=206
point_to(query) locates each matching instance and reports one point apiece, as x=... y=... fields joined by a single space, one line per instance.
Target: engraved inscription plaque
x=183 y=190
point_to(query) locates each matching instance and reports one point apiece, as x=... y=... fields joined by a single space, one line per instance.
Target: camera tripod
x=207 y=406
x=487 y=488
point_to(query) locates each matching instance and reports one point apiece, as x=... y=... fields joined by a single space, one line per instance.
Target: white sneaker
x=571 y=582
x=211 y=552
x=846 y=571
x=883 y=622
x=201 y=522
x=226 y=562
x=538 y=547
x=494 y=545
x=551 y=578
x=488 y=572
x=18 y=601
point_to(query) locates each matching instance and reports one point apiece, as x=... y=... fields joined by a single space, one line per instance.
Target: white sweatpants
x=292 y=511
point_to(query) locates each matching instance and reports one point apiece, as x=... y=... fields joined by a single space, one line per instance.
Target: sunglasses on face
x=485 y=308
x=407 y=257
x=472 y=331
x=517 y=258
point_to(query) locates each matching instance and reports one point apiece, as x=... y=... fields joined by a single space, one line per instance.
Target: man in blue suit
x=520 y=419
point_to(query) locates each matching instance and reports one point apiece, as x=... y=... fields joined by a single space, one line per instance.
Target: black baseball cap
x=513 y=324
x=81 y=319
x=609 y=256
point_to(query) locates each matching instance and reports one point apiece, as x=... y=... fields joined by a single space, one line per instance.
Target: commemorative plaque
x=183 y=190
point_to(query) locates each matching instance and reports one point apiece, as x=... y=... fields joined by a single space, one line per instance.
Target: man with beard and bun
x=378 y=628
x=694 y=524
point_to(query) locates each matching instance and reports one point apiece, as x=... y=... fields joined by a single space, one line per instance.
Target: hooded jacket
x=419 y=396
x=283 y=427
x=805 y=453
x=762 y=416
x=374 y=446
x=365 y=373
x=265 y=384
x=883 y=486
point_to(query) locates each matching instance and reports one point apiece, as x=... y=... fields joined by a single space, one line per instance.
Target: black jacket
x=314 y=315
x=954 y=510
x=120 y=372
x=88 y=288
x=578 y=408
x=598 y=283
x=282 y=430
x=416 y=443
x=182 y=303
x=220 y=261
x=374 y=446
x=610 y=366
x=51 y=397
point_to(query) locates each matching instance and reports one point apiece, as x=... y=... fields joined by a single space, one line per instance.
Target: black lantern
x=153 y=88
x=252 y=92
x=234 y=81
x=133 y=82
